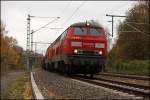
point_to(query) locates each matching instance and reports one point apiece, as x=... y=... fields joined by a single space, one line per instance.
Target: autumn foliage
x=11 y=54
x=132 y=45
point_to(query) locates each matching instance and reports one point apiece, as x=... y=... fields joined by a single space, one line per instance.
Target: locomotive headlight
x=99 y=45
x=88 y=24
x=76 y=44
x=100 y=52
x=75 y=51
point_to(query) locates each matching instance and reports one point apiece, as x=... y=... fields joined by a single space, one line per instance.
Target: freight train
x=80 y=49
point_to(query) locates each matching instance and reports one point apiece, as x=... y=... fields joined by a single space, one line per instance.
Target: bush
x=140 y=67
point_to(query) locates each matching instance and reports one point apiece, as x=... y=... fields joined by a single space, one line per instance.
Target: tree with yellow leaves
x=11 y=54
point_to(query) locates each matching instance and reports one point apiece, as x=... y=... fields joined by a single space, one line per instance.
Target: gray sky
x=14 y=15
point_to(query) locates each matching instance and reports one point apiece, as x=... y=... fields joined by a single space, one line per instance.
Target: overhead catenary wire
x=45 y=25
x=120 y=7
x=42 y=17
x=124 y=16
x=73 y=13
x=64 y=9
x=127 y=31
x=53 y=28
x=139 y=23
x=115 y=9
x=137 y=29
x=41 y=42
x=40 y=29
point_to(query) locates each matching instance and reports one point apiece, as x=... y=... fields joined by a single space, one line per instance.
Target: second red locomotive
x=80 y=49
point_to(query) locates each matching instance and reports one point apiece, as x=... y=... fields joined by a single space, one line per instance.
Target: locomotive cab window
x=95 y=32
x=80 y=31
x=64 y=35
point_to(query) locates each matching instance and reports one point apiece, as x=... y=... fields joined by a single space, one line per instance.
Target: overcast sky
x=14 y=16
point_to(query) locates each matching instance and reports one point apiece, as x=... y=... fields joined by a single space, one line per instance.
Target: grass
x=21 y=88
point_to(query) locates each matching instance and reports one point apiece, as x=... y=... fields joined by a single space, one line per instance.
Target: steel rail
x=145 y=87
x=129 y=90
x=126 y=76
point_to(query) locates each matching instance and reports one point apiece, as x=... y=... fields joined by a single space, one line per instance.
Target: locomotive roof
x=84 y=24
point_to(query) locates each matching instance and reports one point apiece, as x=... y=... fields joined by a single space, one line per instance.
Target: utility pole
x=35 y=47
x=28 y=42
x=40 y=29
x=28 y=49
x=32 y=58
x=36 y=59
x=113 y=20
x=32 y=40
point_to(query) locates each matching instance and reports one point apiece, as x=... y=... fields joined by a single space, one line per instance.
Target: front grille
x=87 y=52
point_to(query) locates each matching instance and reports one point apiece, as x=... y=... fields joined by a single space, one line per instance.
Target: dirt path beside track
x=7 y=80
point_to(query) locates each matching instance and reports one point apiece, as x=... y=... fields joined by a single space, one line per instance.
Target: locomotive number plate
x=89 y=45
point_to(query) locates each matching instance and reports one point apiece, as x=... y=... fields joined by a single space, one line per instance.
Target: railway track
x=139 y=90
x=144 y=87
x=126 y=76
x=131 y=89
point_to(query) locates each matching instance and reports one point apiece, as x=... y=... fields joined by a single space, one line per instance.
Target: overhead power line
x=65 y=8
x=45 y=25
x=138 y=23
x=31 y=33
x=120 y=7
x=74 y=12
x=52 y=28
x=127 y=31
x=42 y=17
x=42 y=42
x=40 y=29
x=62 y=12
x=113 y=20
x=137 y=29
x=114 y=9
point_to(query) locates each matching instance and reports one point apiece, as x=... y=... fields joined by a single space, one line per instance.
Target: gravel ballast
x=55 y=86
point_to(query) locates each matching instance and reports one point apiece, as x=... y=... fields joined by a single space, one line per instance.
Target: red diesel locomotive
x=80 y=49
